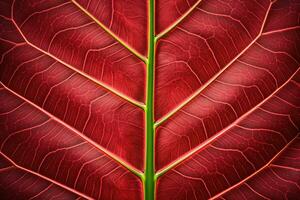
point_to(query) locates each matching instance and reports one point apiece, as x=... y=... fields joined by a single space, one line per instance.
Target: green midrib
x=149 y=176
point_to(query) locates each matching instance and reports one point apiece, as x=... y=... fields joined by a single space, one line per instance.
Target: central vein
x=149 y=176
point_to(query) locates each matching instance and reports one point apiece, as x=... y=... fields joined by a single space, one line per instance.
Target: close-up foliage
x=149 y=99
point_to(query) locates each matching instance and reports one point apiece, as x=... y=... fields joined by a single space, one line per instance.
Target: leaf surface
x=164 y=99
x=247 y=81
x=40 y=144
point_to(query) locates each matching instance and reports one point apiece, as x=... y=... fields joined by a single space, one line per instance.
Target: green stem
x=149 y=178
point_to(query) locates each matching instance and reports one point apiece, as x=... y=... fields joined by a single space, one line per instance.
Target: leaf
x=165 y=99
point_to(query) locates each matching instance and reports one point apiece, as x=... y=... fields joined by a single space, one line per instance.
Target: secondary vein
x=133 y=51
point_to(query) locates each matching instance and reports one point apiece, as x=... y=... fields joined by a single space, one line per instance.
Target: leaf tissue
x=149 y=99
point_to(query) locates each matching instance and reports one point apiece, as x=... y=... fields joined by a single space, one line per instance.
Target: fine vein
x=173 y=25
x=195 y=94
x=210 y=140
x=258 y=171
x=97 y=146
x=45 y=178
x=133 y=51
x=107 y=87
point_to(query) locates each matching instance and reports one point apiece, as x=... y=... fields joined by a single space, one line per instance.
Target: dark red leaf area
x=168 y=11
x=19 y=184
x=73 y=98
x=280 y=180
x=252 y=78
x=226 y=99
x=127 y=19
x=66 y=32
x=264 y=146
x=42 y=145
x=203 y=45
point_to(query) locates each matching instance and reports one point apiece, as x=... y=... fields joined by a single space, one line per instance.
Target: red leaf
x=40 y=144
x=78 y=80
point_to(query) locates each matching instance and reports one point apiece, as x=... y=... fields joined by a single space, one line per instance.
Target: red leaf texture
x=149 y=99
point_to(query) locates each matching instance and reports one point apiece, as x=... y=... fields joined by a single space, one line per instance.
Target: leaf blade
x=56 y=152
